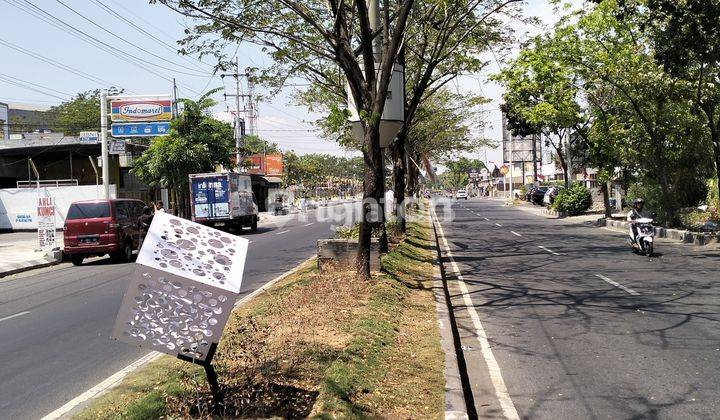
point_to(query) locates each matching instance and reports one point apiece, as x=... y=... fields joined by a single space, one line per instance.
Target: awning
x=273 y=179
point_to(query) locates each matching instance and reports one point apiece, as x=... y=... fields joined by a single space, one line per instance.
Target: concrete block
x=342 y=252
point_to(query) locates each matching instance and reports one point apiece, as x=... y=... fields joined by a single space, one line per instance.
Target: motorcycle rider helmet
x=638 y=203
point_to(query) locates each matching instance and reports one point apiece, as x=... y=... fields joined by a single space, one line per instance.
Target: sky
x=142 y=59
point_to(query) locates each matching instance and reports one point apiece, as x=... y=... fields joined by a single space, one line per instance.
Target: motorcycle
x=645 y=238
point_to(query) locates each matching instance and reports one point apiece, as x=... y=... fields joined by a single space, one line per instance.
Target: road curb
x=458 y=395
x=76 y=404
x=15 y=268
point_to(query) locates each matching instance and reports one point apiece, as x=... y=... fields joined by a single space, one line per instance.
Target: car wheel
x=124 y=255
x=253 y=226
x=76 y=259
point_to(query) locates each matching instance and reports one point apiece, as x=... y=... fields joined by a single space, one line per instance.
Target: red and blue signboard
x=140 y=117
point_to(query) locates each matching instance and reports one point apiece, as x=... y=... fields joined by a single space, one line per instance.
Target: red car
x=100 y=227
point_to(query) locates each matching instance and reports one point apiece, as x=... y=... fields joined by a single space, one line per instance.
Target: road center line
x=14 y=315
x=309 y=224
x=501 y=392
x=284 y=231
x=548 y=250
x=618 y=285
x=486 y=219
x=515 y=233
x=498 y=225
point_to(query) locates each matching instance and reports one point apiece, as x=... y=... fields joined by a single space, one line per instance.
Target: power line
x=102 y=28
x=56 y=63
x=134 y=25
x=35 y=84
x=20 y=85
x=69 y=29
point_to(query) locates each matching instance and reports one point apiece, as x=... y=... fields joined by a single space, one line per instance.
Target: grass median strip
x=314 y=345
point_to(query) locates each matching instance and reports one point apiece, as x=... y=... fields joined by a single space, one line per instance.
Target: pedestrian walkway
x=19 y=252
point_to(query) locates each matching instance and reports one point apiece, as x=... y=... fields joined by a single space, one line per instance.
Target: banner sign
x=89 y=137
x=129 y=110
x=46 y=222
x=151 y=129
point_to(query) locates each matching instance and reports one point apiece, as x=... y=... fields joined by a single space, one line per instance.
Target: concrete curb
x=684 y=236
x=455 y=402
x=15 y=268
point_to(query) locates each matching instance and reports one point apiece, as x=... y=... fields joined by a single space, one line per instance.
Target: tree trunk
x=715 y=135
x=564 y=166
x=372 y=181
x=606 y=198
x=399 y=173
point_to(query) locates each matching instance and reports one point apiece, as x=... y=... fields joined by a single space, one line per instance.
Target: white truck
x=223 y=199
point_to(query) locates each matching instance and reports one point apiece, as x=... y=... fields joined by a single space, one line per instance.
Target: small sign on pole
x=46 y=222
x=89 y=137
x=117 y=147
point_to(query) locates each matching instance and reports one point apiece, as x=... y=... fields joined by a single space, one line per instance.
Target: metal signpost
x=186 y=281
x=132 y=116
x=117 y=147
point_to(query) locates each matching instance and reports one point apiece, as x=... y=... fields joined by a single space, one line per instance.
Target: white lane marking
x=618 y=285
x=309 y=224
x=486 y=219
x=498 y=225
x=14 y=315
x=249 y=242
x=284 y=231
x=515 y=233
x=102 y=386
x=548 y=250
x=496 y=378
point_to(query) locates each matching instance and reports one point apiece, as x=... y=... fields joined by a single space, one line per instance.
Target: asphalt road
x=55 y=323
x=580 y=327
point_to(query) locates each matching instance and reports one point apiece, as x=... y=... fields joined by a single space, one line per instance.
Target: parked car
x=461 y=194
x=537 y=195
x=99 y=227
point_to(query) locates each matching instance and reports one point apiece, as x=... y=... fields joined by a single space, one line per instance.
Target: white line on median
x=309 y=224
x=515 y=233
x=102 y=386
x=496 y=378
x=14 y=315
x=284 y=231
x=618 y=285
x=548 y=250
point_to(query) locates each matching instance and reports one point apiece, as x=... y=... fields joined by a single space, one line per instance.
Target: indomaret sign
x=134 y=110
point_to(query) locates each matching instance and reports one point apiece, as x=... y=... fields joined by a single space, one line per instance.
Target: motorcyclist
x=635 y=213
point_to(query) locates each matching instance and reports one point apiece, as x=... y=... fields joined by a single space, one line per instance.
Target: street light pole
x=104 y=145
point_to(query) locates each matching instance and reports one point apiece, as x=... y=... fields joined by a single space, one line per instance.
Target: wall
x=18 y=206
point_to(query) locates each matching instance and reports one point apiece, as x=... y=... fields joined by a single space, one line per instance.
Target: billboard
x=4 y=122
x=524 y=148
x=137 y=110
x=259 y=164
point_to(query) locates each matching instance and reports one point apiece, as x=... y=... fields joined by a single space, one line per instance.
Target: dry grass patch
x=314 y=345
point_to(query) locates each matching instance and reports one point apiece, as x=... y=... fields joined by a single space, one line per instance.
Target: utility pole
x=104 y=145
x=175 y=98
x=249 y=110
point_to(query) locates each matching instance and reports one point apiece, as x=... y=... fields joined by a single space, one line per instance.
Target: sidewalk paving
x=19 y=252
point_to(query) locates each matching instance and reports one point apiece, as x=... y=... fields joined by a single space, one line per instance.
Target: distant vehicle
x=528 y=193
x=461 y=194
x=537 y=195
x=223 y=199
x=100 y=227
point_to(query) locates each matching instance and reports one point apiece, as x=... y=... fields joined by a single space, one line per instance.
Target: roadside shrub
x=573 y=201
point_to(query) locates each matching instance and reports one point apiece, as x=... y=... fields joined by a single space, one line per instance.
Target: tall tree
x=306 y=37
x=686 y=37
x=196 y=143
